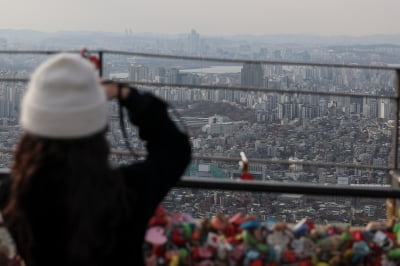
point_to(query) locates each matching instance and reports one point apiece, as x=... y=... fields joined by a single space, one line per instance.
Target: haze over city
x=220 y=18
x=307 y=89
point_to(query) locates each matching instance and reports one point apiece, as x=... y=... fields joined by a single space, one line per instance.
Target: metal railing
x=391 y=191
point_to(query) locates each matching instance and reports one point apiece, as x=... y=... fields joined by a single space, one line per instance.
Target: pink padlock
x=155 y=236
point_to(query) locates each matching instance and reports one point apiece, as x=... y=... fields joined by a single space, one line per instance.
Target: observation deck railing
x=386 y=191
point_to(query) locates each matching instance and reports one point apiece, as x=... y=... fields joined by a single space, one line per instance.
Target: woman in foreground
x=67 y=206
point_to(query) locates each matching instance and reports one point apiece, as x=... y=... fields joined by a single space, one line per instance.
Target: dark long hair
x=94 y=198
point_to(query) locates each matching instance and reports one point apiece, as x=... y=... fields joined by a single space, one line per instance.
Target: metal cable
x=265 y=90
x=42 y=52
x=14 y=79
x=209 y=59
x=254 y=160
x=241 y=88
x=279 y=161
x=272 y=161
x=247 y=61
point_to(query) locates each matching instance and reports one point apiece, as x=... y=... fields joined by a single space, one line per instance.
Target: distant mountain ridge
x=27 y=34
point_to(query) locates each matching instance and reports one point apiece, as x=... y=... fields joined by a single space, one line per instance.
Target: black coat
x=147 y=182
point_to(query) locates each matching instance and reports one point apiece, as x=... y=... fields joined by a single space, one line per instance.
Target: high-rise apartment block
x=252 y=75
x=193 y=43
x=138 y=73
x=3 y=44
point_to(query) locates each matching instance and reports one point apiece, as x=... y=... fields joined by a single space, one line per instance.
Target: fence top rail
x=278 y=187
x=384 y=191
x=209 y=59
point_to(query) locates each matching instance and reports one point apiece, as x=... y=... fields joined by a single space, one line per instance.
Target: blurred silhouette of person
x=66 y=205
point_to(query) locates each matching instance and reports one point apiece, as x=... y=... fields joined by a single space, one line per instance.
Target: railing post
x=101 y=63
x=392 y=204
x=395 y=137
x=395 y=134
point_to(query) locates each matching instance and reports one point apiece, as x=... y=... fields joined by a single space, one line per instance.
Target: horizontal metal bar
x=265 y=90
x=14 y=79
x=276 y=161
x=255 y=160
x=243 y=61
x=42 y=52
x=222 y=87
x=292 y=188
x=277 y=187
x=270 y=161
x=209 y=59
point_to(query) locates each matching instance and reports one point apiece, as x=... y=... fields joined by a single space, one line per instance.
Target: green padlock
x=346 y=236
x=187 y=230
x=396 y=229
x=394 y=253
x=250 y=239
x=183 y=254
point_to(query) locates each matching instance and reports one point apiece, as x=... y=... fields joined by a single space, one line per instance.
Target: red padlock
x=177 y=238
x=290 y=256
x=310 y=224
x=195 y=253
x=92 y=58
x=158 y=251
x=257 y=262
x=357 y=235
x=306 y=263
x=196 y=234
x=376 y=262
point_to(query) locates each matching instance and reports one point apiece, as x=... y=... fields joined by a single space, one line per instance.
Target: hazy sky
x=208 y=17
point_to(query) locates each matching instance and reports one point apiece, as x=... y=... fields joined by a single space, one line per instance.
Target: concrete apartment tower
x=252 y=75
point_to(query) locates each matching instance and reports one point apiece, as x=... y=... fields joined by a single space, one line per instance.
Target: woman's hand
x=111 y=90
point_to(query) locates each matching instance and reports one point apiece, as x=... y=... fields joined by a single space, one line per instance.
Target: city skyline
x=326 y=132
x=221 y=18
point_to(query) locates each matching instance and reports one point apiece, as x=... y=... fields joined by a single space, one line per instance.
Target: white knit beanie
x=64 y=99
